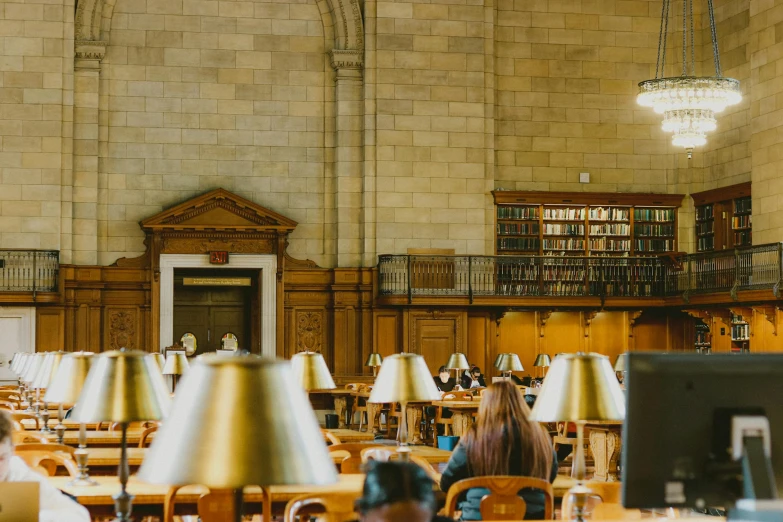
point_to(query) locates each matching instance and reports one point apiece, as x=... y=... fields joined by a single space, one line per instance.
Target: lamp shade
x=404 y=377
x=510 y=363
x=159 y=358
x=311 y=372
x=225 y=399
x=32 y=369
x=498 y=359
x=68 y=380
x=122 y=386
x=619 y=364
x=373 y=360
x=542 y=360
x=18 y=363
x=580 y=387
x=48 y=368
x=15 y=360
x=457 y=361
x=176 y=364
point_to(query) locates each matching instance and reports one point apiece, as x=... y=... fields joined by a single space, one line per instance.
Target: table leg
x=461 y=422
x=374 y=417
x=605 y=446
x=415 y=414
x=340 y=408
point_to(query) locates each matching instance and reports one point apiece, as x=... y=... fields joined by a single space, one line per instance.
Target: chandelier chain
x=685 y=37
x=714 y=34
x=693 y=46
x=661 y=41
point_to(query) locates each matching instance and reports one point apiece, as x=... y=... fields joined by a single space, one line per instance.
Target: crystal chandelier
x=688 y=102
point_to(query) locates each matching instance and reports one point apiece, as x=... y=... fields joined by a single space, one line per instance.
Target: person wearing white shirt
x=54 y=506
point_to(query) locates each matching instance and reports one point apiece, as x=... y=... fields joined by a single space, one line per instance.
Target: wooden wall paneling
x=518 y=333
x=345 y=349
x=609 y=334
x=564 y=333
x=479 y=343
x=387 y=331
x=49 y=329
x=650 y=333
x=436 y=335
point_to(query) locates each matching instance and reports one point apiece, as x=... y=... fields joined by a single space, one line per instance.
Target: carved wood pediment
x=219 y=210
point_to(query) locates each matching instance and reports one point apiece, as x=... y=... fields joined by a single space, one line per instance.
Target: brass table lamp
x=159 y=359
x=65 y=388
x=619 y=367
x=123 y=386
x=311 y=372
x=28 y=377
x=580 y=388
x=404 y=378
x=18 y=356
x=225 y=399
x=42 y=380
x=374 y=361
x=509 y=362
x=542 y=361
x=498 y=359
x=176 y=365
x=457 y=361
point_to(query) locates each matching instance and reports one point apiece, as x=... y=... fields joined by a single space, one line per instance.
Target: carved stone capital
x=89 y=53
x=346 y=59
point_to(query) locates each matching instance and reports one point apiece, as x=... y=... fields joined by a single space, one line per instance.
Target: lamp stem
x=60 y=428
x=122 y=501
x=45 y=418
x=81 y=455
x=239 y=499
x=404 y=450
x=375 y=371
x=581 y=494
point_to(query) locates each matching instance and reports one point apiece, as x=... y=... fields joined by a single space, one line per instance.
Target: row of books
x=705 y=243
x=653 y=214
x=517 y=273
x=562 y=229
x=654 y=245
x=740 y=332
x=610 y=229
x=612 y=245
x=562 y=288
x=743 y=206
x=741 y=221
x=510 y=229
x=518 y=213
x=705 y=212
x=609 y=214
x=564 y=244
x=743 y=238
x=571 y=214
x=654 y=230
x=624 y=289
x=706 y=227
x=518 y=243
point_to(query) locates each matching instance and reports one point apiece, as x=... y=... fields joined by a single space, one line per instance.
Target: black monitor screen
x=676 y=437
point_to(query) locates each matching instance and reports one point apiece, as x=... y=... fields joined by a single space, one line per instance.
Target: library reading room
x=391 y=260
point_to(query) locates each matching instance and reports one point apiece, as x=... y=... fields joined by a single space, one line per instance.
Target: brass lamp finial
x=224 y=399
x=580 y=388
x=311 y=372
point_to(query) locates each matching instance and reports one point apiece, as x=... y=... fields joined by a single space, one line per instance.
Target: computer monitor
x=676 y=443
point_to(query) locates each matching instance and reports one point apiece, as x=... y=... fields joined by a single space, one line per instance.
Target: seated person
x=503 y=441
x=54 y=505
x=445 y=382
x=395 y=491
x=474 y=380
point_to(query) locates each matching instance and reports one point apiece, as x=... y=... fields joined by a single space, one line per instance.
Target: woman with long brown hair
x=503 y=441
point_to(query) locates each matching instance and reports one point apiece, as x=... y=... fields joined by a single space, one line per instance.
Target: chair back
x=331 y=507
x=457 y=396
x=41 y=446
x=503 y=501
x=47 y=462
x=330 y=438
x=20 y=416
x=352 y=463
x=9 y=405
x=217 y=505
x=145 y=435
x=117 y=426
x=23 y=437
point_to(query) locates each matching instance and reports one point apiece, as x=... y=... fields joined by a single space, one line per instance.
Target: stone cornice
x=89 y=53
x=347 y=58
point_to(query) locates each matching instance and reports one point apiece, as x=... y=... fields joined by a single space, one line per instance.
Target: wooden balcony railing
x=29 y=270
x=751 y=268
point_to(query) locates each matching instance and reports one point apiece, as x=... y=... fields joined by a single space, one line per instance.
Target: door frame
x=27 y=315
x=265 y=263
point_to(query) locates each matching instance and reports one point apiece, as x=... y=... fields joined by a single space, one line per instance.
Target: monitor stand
x=751 y=443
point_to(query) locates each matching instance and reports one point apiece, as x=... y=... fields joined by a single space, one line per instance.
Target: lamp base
x=123 y=506
x=576 y=498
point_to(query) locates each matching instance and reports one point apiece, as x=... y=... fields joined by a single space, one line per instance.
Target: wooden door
x=435 y=336
x=225 y=319
x=193 y=319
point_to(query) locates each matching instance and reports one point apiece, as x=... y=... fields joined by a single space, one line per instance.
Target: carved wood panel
x=309 y=330
x=122 y=329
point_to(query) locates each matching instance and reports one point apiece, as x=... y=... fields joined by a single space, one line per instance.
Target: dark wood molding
x=511 y=197
x=716 y=195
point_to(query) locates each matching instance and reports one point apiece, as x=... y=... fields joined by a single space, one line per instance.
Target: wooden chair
x=562 y=439
x=9 y=405
x=330 y=507
x=24 y=437
x=447 y=423
x=116 y=426
x=356 y=407
x=20 y=416
x=352 y=463
x=609 y=506
x=145 y=435
x=503 y=501
x=46 y=462
x=330 y=438
x=217 y=505
x=46 y=446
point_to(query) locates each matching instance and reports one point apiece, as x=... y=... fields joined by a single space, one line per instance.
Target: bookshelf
x=740 y=334
x=585 y=224
x=723 y=218
x=703 y=338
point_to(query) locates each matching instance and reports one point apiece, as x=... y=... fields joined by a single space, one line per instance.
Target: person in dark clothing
x=503 y=441
x=444 y=381
x=395 y=491
x=474 y=380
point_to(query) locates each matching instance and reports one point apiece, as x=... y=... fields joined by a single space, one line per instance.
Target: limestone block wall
x=207 y=94
x=36 y=89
